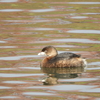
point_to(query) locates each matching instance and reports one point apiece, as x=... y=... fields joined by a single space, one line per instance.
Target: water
x=78 y=79
x=96 y=68
x=18 y=75
x=85 y=31
x=5 y=87
x=71 y=87
x=38 y=93
x=18 y=57
x=30 y=68
x=34 y=68
x=83 y=97
x=10 y=10
x=26 y=27
x=2 y=41
x=7 y=68
x=79 y=17
x=90 y=13
x=9 y=97
x=8 y=1
x=7 y=46
x=84 y=3
x=63 y=46
x=66 y=87
x=43 y=10
x=70 y=40
x=44 y=29
x=96 y=90
x=39 y=29
x=15 y=82
x=36 y=87
x=76 y=40
x=31 y=21
x=94 y=63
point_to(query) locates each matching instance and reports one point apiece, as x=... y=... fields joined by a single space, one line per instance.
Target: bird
x=62 y=60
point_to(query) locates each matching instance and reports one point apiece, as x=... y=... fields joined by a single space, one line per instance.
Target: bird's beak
x=42 y=53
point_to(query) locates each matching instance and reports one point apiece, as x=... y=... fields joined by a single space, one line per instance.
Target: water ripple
x=43 y=10
x=38 y=93
x=8 y=0
x=18 y=57
x=10 y=10
x=76 y=40
x=85 y=31
x=18 y=75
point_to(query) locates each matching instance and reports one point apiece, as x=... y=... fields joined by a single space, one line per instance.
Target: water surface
x=18 y=75
x=65 y=46
x=5 y=87
x=9 y=97
x=17 y=57
x=79 y=17
x=85 y=31
x=8 y=1
x=43 y=10
x=91 y=13
x=94 y=63
x=14 y=82
x=26 y=26
x=65 y=87
x=2 y=41
x=71 y=87
x=38 y=93
x=7 y=68
x=32 y=21
x=7 y=46
x=10 y=10
x=96 y=90
x=45 y=29
x=84 y=3
x=76 y=40
x=79 y=79
x=96 y=68
x=34 y=68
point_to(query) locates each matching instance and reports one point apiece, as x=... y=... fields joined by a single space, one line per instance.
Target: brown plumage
x=67 y=59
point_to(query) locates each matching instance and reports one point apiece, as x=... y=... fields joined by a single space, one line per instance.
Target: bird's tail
x=85 y=63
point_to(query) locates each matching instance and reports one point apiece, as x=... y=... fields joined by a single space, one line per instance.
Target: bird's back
x=65 y=56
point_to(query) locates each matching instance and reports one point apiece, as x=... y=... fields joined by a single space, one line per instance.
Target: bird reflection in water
x=53 y=74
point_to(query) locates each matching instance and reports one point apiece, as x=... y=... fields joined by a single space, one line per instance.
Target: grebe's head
x=49 y=51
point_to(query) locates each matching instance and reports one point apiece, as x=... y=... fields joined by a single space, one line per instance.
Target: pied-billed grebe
x=67 y=59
